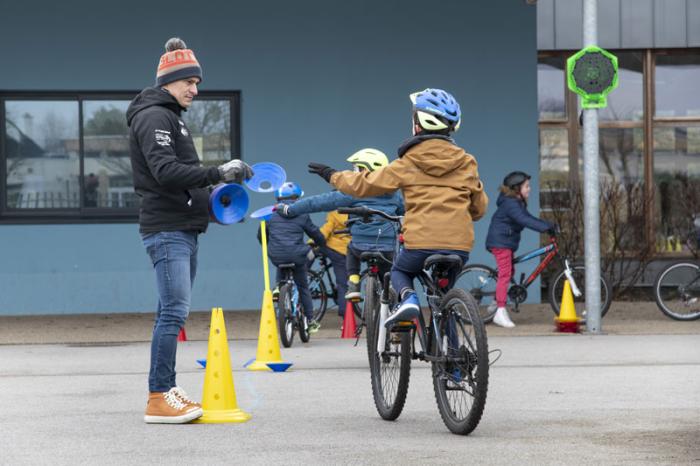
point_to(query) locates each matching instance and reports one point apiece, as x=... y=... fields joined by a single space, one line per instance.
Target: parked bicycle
x=480 y=281
x=290 y=315
x=677 y=290
x=453 y=341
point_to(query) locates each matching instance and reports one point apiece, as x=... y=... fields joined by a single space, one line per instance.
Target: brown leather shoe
x=166 y=408
x=184 y=397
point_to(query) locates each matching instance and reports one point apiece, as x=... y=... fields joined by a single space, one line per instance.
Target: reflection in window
x=550 y=88
x=209 y=121
x=621 y=154
x=107 y=164
x=677 y=85
x=626 y=101
x=554 y=166
x=42 y=154
x=677 y=184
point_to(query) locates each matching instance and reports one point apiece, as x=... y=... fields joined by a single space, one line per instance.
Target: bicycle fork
x=569 y=276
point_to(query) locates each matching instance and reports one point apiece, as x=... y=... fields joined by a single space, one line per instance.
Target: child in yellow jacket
x=336 y=249
x=442 y=192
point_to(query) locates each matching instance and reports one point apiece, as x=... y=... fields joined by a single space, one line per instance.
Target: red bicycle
x=480 y=280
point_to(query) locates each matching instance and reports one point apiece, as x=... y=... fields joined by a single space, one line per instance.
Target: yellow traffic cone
x=567 y=321
x=268 y=338
x=219 y=397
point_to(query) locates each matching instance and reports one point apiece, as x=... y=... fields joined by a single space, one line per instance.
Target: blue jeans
x=341 y=276
x=174 y=258
x=409 y=263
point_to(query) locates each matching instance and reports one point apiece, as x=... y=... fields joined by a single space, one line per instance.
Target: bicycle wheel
x=319 y=294
x=480 y=281
x=285 y=319
x=461 y=376
x=578 y=271
x=677 y=291
x=370 y=308
x=390 y=369
x=303 y=324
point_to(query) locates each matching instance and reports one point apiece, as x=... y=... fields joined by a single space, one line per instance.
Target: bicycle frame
x=551 y=250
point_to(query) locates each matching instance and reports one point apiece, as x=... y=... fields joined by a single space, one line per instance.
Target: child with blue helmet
x=441 y=188
x=378 y=235
x=285 y=244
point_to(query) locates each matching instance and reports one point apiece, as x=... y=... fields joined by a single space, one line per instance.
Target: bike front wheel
x=285 y=319
x=319 y=294
x=461 y=371
x=578 y=271
x=677 y=291
x=480 y=281
x=390 y=368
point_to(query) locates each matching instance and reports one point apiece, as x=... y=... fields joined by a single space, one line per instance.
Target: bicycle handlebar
x=366 y=213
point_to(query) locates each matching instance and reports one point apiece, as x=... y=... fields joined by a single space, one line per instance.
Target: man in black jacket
x=172 y=185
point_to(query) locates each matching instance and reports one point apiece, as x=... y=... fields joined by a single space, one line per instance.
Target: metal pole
x=591 y=189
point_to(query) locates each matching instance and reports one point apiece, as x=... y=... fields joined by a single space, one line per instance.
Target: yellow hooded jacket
x=337 y=242
x=442 y=193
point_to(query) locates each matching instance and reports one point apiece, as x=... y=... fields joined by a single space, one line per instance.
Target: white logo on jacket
x=163 y=137
x=183 y=129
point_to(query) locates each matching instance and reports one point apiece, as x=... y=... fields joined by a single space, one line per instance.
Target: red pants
x=504 y=262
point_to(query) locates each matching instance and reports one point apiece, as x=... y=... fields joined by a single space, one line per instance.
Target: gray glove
x=235 y=171
x=283 y=210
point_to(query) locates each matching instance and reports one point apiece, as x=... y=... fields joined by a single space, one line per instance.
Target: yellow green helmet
x=371 y=159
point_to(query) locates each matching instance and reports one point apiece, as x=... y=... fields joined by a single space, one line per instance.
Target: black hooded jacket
x=168 y=176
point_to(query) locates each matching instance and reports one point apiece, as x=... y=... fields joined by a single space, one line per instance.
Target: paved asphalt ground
x=553 y=399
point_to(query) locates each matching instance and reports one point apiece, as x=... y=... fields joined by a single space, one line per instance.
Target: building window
x=66 y=156
x=649 y=139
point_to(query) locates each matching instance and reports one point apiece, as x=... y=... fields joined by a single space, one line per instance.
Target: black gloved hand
x=283 y=210
x=324 y=171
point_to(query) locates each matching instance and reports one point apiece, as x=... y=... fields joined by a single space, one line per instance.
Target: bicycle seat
x=291 y=265
x=367 y=255
x=448 y=260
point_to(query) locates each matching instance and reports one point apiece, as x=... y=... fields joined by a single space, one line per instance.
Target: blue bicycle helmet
x=436 y=110
x=289 y=190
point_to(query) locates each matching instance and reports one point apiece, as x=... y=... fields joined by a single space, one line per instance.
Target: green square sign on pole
x=592 y=74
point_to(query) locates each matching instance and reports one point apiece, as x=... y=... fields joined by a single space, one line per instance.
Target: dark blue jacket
x=378 y=235
x=510 y=219
x=285 y=236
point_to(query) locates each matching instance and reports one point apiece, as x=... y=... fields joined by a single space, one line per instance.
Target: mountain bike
x=677 y=290
x=480 y=281
x=454 y=342
x=290 y=315
x=370 y=276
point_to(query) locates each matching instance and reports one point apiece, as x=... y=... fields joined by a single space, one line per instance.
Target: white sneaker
x=502 y=319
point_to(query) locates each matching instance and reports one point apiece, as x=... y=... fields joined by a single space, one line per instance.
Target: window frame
x=82 y=214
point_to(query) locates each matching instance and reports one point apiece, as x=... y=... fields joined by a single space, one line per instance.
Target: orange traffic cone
x=182 y=336
x=567 y=322
x=349 y=326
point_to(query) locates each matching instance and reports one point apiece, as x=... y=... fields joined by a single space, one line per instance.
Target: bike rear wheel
x=480 y=281
x=578 y=271
x=319 y=294
x=285 y=319
x=390 y=369
x=677 y=291
x=460 y=377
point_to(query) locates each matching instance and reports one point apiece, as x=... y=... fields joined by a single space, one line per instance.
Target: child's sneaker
x=167 y=408
x=502 y=319
x=276 y=294
x=184 y=397
x=353 y=292
x=408 y=310
x=314 y=326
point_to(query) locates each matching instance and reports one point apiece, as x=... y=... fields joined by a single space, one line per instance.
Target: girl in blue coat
x=503 y=239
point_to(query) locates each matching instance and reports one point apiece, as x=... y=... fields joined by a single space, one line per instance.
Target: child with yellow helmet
x=378 y=235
